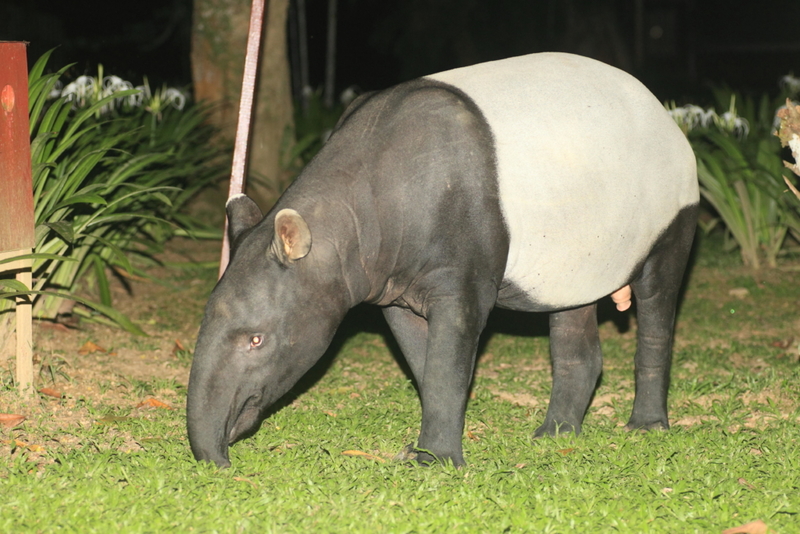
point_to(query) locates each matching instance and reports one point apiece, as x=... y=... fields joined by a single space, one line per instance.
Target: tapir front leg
x=411 y=333
x=577 y=362
x=453 y=332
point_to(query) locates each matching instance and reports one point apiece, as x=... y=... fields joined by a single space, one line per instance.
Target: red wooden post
x=16 y=193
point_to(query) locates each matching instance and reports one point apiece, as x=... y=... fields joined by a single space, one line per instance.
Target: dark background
x=677 y=47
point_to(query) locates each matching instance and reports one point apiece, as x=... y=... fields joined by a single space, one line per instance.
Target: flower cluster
x=691 y=116
x=87 y=90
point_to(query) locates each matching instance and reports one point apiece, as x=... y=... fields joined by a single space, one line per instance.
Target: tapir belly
x=591 y=170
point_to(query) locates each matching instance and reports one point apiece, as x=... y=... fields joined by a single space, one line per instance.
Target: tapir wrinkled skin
x=539 y=183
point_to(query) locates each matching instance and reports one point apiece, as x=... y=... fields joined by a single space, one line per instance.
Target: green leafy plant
x=741 y=172
x=112 y=168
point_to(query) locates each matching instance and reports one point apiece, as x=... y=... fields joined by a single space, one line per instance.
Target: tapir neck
x=344 y=227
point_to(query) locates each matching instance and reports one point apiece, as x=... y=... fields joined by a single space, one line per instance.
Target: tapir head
x=269 y=319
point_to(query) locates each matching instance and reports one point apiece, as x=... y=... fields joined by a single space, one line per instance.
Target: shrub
x=741 y=172
x=113 y=166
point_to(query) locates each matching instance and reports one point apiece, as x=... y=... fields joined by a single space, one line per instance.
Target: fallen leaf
x=154 y=403
x=754 y=527
x=51 y=392
x=178 y=346
x=10 y=420
x=520 y=466
x=330 y=414
x=472 y=436
x=565 y=451
x=745 y=483
x=783 y=343
x=90 y=347
x=362 y=454
x=22 y=445
x=241 y=479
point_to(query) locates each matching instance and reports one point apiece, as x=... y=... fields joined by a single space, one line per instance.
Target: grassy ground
x=97 y=459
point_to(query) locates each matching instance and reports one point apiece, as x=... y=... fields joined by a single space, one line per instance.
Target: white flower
x=791 y=84
x=731 y=122
x=79 y=91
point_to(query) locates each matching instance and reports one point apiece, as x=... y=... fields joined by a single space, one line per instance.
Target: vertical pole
x=16 y=201
x=24 y=313
x=237 y=182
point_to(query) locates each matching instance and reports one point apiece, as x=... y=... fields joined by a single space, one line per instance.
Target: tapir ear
x=243 y=214
x=292 y=239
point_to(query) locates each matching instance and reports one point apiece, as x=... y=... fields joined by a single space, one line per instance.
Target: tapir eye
x=256 y=341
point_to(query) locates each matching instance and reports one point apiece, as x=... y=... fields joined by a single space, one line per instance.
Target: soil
x=90 y=367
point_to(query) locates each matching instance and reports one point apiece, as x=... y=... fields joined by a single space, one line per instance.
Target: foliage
x=314 y=123
x=112 y=168
x=741 y=174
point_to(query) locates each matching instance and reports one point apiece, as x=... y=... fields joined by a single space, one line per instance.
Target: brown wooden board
x=16 y=189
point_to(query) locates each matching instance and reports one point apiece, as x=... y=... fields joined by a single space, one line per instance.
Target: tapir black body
x=539 y=183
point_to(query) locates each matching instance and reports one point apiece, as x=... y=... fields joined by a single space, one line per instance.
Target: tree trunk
x=219 y=39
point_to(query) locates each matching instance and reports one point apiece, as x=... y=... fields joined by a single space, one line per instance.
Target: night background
x=677 y=47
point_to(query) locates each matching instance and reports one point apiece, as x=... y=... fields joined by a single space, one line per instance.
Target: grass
x=730 y=458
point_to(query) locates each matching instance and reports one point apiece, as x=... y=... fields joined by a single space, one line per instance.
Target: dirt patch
x=92 y=371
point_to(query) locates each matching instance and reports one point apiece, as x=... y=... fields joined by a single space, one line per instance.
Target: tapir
x=539 y=183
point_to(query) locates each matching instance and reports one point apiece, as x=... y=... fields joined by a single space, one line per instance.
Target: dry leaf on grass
x=154 y=403
x=565 y=452
x=22 y=445
x=178 y=346
x=361 y=454
x=51 y=393
x=90 y=347
x=10 y=420
x=754 y=527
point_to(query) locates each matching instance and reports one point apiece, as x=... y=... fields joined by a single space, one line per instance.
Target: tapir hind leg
x=656 y=290
x=577 y=362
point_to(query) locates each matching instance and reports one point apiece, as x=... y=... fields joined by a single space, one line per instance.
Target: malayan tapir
x=537 y=183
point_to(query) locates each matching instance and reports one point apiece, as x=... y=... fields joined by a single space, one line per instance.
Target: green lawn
x=730 y=458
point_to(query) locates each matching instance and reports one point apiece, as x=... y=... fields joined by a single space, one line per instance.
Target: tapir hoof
x=646 y=426
x=552 y=428
x=411 y=454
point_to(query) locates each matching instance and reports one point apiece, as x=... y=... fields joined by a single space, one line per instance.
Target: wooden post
x=16 y=194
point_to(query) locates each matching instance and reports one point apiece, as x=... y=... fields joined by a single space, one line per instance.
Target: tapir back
x=591 y=170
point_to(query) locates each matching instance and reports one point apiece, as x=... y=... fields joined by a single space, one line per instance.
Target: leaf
x=108 y=311
x=16 y=285
x=754 y=527
x=90 y=347
x=64 y=229
x=361 y=454
x=154 y=403
x=565 y=452
x=38 y=256
x=10 y=420
x=51 y=393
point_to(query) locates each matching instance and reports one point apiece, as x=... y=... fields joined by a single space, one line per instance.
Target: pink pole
x=238 y=179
